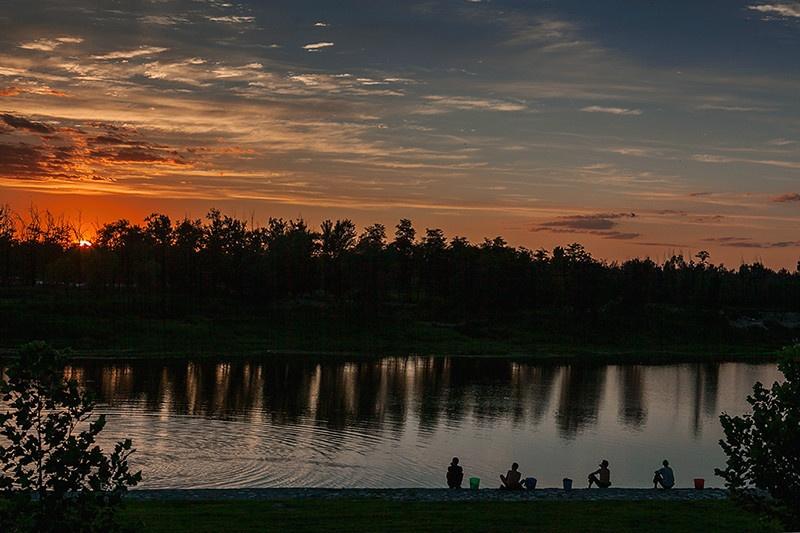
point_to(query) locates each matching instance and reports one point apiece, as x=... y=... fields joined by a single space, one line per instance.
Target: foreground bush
x=53 y=475
x=763 y=447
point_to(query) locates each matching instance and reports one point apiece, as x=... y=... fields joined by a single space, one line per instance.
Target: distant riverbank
x=97 y=326
x=552 y=355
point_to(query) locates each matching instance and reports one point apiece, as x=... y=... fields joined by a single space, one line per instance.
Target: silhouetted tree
x=336 y=239
x=762 y=446
x=8 y=232
x=404 y=246
x=48 y=450
x=158 y=230
x=188 y=239
x=370 y=270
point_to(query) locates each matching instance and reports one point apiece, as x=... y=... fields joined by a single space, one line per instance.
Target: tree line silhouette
x=224 y=256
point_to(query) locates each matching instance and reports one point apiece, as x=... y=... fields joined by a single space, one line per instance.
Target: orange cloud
x=10 y=91
x=787 y=197
x=15 y=90
x=49 y=152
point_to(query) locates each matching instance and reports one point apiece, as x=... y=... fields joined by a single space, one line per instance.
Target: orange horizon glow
x=77 y=210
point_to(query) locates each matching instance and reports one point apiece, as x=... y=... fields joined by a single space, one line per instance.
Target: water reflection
x=580 y=399
x=365 y=392
x=393 y=421
x=632 y=407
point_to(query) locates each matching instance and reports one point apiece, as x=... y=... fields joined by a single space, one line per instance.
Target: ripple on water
x=241 y=452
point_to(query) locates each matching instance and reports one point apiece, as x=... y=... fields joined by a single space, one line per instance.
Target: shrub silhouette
x=53 y=474
x=763 y=447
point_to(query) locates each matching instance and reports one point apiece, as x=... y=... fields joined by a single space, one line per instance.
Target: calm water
x=396 y=422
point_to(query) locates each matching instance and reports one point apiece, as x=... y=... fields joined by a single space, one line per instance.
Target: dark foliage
x=763 y=447
x=53 y=475
x=286 y=259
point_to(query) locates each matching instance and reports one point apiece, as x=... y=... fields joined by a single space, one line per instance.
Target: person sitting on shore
x=664 y=476
x=455 y=474
x=511 y=479
x=601 y=477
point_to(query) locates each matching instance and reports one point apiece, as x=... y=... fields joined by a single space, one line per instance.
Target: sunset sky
x=636 y=128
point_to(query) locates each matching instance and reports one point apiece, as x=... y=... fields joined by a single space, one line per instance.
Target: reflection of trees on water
x=283 y=391
x=429 y=388
x=710 y=388
x=532 y=387
x=458 y=393
x=704 y=394
x=579 y=400
x=632 y=407
x=381 y=395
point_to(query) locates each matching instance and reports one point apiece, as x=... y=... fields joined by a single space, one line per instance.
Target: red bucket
x=699 y=483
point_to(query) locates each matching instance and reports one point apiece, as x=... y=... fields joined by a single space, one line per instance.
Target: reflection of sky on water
x=397 y=421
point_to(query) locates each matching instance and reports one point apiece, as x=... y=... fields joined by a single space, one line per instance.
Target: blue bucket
x=530 y=483
x=567 y=483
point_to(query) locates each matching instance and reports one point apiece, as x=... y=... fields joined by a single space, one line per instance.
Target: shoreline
x=108 y=326
x=622 y=356
x=426 y=495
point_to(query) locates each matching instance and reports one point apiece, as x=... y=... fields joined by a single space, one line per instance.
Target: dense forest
x=287 y=259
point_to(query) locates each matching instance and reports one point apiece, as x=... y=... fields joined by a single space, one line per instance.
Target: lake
x=396 y=422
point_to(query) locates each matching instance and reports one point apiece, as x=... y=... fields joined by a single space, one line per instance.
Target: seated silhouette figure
x=511 y=481
x=664 y=476
x=455 y=474
x=601 y=477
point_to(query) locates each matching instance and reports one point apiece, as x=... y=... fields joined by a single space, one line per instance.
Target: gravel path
x=429 y=494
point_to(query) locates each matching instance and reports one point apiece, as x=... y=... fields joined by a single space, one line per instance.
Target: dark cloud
x=25 y=124
x=597 y=221
x=139 y=154
x=709 y=219
x=610 y=234
x=116 y=136
x=24 y=161
x=600 y=224
x=723 y=240
x=619 y=235
x=787 y=197
x=664 y=244
x=747 y=242
x=20 y=160
x=107 y=139
x=677 y=212
x=76 y=154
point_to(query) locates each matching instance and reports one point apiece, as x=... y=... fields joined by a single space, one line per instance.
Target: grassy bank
x=371 y=515
x=121 y=327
